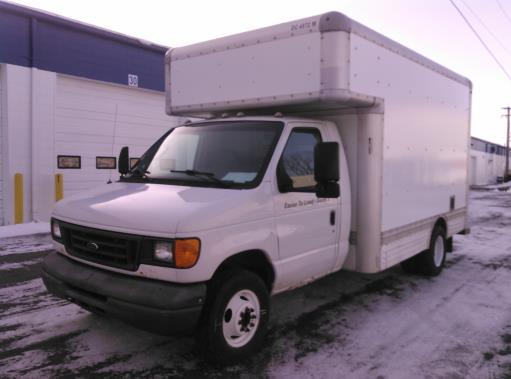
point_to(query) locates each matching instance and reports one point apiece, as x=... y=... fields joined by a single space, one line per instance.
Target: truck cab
x=233 y=194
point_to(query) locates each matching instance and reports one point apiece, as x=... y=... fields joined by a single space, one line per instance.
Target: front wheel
x=235 y=317
x=431 y=261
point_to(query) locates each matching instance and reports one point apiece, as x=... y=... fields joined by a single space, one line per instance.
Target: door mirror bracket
x=326 y=169
x=124 y=161
x=284 y=182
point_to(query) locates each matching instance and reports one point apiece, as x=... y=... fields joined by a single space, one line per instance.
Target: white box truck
x=323 y=145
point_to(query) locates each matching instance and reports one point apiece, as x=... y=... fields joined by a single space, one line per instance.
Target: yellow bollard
x=18 y=198
x=59 y=187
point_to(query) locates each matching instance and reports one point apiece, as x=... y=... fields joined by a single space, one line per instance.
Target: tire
x=431 y=262
x=235 y=318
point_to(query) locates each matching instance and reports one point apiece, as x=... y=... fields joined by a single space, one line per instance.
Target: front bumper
x=153 y=305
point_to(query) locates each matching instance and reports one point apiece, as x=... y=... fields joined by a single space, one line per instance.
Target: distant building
x=71 y=95
x=487 y=161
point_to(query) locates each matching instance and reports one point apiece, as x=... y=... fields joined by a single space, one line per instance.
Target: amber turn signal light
x=186 y=252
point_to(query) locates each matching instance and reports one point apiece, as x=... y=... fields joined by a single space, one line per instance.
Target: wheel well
x=441 y=222
x=448 y=240
x=251 y=260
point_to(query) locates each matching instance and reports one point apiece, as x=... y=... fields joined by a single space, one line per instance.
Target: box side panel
x=411 y=240
x=335 y=64
x=425 y=134
x=252 y=74
x=402 y=243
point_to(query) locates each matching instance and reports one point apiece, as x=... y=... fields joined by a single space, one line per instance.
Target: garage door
x=94 y=120
x=1 y=155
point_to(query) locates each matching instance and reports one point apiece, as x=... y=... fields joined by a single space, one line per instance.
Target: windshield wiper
x=201 y=174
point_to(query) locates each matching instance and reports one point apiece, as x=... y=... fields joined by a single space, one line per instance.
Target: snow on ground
x=24 y=229
x=347 y=325
x=506 y=186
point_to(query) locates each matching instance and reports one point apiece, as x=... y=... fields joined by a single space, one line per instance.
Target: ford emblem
x=92 y=246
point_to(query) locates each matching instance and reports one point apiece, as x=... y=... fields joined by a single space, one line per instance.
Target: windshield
x=217 y=154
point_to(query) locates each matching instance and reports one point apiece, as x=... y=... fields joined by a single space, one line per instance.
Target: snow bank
x=500 y=186
x=24 y=229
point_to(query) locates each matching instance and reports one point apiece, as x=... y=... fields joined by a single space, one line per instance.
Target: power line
x=503 y=11
x=480 y=39
x=484 y=26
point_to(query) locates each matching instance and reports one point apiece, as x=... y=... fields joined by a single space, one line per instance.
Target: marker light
x=186 y=252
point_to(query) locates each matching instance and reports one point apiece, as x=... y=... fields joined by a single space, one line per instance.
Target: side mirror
x=124 y=161
x=326 y=169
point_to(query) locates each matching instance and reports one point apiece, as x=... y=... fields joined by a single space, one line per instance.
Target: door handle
x=332 y=218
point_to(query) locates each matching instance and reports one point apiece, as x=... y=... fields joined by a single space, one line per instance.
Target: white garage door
x=94 y=119
x=1 y=155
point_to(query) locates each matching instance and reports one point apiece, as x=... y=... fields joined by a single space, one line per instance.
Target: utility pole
x=508 y=116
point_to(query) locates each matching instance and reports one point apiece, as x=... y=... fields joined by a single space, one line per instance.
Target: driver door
x=307 y=227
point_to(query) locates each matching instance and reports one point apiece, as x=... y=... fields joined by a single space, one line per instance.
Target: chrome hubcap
x=241 y=318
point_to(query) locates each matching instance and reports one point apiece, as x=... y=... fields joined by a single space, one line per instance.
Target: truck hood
x=163 y=210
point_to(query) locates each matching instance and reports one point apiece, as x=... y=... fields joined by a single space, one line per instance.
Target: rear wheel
x=431 y=262
x=235 y=317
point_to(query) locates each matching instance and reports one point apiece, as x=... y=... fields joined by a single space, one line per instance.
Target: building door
x=95 y=119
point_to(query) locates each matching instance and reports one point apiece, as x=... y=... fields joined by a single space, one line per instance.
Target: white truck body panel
x=404 y=120
x=282 y=79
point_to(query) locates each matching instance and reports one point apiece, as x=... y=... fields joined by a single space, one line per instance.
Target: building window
x=133 y=162
x=69 y=161
x=106 y=163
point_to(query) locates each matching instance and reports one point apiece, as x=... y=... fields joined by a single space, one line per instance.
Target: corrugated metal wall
x=36 y=39
x=89 y=113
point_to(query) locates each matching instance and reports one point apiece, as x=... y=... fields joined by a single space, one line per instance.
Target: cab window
x=296 y=166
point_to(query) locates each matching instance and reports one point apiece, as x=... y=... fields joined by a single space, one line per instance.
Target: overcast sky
x=431 y=27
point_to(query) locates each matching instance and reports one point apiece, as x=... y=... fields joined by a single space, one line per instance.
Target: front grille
x=104 y=247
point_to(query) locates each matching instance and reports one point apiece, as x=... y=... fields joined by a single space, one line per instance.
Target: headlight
x=163 y=251
x=180 y=253
x=55 y=230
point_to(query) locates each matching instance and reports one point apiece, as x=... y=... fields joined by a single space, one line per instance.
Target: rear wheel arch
x=425 y=261
x=431 y=261
x=442 y=223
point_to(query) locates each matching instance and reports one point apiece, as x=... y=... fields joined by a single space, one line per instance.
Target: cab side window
x=295 y=171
